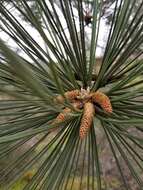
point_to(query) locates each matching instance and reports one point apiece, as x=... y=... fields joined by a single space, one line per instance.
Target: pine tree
x=55 y=96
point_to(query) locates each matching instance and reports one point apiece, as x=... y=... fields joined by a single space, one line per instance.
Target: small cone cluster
x=83 y=99
x=103 y=101
x=87 y=119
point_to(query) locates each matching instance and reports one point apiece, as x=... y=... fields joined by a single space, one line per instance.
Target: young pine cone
x=62 y=116
x=103 y=101
x=87 y=119
x=65 y=113
x=70 y=95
